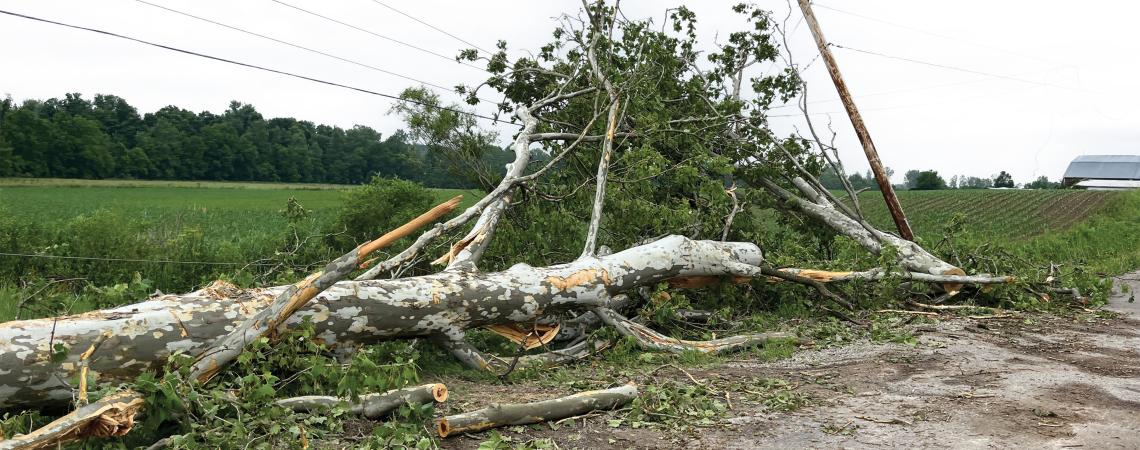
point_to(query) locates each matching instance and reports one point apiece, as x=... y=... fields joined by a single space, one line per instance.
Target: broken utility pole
x=857 y=122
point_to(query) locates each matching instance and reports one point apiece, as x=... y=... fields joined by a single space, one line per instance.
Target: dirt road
x=1049 y=383
x=1030 y=382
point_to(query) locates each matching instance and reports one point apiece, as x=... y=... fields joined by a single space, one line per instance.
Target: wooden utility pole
x=857 y=122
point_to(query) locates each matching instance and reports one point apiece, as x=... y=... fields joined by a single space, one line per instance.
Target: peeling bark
x=349 y=313
x=502 y=415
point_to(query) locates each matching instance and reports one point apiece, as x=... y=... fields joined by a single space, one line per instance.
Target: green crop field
x=1097 y=228
x=999 y=214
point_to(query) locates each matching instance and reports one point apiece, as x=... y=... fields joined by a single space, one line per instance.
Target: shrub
x=376 y=208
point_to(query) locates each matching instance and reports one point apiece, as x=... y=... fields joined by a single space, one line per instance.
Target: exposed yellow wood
x=390 y=237
x=114 y=415
x=585 y=276
x=536 y=336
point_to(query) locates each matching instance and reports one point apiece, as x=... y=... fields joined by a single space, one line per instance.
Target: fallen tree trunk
x=441 y=306
x=502 y=415
x=371 y=406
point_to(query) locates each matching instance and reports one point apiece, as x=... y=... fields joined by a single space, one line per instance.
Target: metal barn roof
x=1105 y=167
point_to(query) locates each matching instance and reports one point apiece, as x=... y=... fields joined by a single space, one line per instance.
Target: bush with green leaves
x=376 y=208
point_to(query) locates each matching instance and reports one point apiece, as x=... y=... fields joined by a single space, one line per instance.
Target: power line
x=253 y=66
x=959 y=69
x=433 y=27
x=928 y=33
x=158 y=261
x=330 y=19
x=884 y=108
x=301 y=47
x=890 y=92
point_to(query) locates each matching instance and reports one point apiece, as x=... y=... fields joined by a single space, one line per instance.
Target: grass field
x=71 y=182
x=218 y=226
x=221 y=210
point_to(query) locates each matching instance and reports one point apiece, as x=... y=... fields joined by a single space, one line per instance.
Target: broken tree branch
x=653 y=340
x=877 y=274
x=371 y=406
x=502 y=415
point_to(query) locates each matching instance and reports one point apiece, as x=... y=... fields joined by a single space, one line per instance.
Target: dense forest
x=106 y=137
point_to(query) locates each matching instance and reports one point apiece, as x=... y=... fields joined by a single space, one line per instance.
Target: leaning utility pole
x=857 y=122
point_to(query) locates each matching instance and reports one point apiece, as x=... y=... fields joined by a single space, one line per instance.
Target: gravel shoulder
x=1026 y=382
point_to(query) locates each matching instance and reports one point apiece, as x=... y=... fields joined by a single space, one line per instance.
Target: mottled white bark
x=349 y=313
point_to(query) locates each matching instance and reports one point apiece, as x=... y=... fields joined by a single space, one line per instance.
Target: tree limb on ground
x=371 y=406
x=502 y=415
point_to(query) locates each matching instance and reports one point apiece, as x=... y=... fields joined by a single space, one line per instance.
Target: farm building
x=1103 y=172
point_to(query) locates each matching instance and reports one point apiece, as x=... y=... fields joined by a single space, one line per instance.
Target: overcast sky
x=1060 y=77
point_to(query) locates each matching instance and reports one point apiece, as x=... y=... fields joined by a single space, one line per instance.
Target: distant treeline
x=106 y=137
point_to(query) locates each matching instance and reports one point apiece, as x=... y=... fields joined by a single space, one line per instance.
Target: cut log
x=350 y=313
x=114 y=415
x=372 y=406
x=502 y=415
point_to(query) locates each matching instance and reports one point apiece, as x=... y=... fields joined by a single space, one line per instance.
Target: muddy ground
x=1022 y=382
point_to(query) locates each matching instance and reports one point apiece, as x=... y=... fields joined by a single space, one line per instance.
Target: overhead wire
x=253 y=66
x=954 y=68
x=378 y=2
x=373 y=33
x=301 y=47
x=884 y=108
x=890 y=92
x=937 y=35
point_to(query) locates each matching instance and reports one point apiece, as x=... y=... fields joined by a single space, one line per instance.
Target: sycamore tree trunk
x=39 y=359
